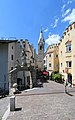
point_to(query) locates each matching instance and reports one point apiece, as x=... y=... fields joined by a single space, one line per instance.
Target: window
x=11 y=57
x=24 y=45
x=68 y=34
x=12 y=47
x=74 y=25
x=68 y=47
x=56 y=56
x=61 y=64
x=11 y=68
x=69 y=63
x=61 y=52
x=41 y=47
x=49 y=55
x=49 y=64
x=44 y=61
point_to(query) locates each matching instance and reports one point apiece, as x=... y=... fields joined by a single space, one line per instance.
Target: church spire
x=41 y=29
x=41 y=44
x=41 y=37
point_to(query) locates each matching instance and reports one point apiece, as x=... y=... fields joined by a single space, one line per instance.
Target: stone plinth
x=12 y=103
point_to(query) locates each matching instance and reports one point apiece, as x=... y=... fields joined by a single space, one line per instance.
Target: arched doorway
x=70 y=78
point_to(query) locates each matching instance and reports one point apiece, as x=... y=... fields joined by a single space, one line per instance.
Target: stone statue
x=23 y=57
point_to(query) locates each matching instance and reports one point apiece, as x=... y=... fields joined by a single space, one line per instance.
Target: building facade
x=10 y=58
x=25 y=58
x=67 y=54
x=7 y=62
x=51 y=61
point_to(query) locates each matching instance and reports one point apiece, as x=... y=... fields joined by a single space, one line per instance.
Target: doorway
x=19 y=83
x=70 y=78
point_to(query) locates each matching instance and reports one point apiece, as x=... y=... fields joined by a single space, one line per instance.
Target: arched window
x=40 y=47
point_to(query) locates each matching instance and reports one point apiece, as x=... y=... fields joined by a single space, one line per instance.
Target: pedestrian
x=66 y=84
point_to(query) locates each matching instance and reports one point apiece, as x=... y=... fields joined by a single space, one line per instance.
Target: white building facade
x=10 y=54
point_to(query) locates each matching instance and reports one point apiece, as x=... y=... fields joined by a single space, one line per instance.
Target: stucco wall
x=4 y=66
x=69 y=35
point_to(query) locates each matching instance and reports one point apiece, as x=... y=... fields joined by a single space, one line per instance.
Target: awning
x=45 y=73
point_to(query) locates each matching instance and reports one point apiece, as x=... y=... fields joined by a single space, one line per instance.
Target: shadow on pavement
x=44 y=81
x=3 y=96
x=69 y=94
x=18 y=109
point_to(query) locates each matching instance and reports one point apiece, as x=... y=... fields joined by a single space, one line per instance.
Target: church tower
x=41 y=44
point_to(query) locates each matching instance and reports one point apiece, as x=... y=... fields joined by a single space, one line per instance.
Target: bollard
x=12 y=103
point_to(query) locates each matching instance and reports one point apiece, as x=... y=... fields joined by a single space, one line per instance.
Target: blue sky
x=23 y=19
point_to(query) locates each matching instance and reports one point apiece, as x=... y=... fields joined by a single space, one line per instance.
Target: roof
x=8 y=41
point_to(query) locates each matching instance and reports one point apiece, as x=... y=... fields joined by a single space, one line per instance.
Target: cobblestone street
x=4 y=106
x=49 y=102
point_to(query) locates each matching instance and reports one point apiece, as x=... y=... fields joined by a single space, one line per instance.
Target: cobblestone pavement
x=47 y=103
x=4 y=104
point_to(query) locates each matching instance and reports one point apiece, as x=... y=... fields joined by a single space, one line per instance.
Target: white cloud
x=63 y=7
x=46 y=30
x=70 y=18
x=51 y=25
x=67 y=11
x=69 y=1
x=53 y=39
x=55 y=23
x=49 y=33
x=63 y=10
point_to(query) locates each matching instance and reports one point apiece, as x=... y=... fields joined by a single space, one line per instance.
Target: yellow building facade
x=51 y=58
x=67 y=54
